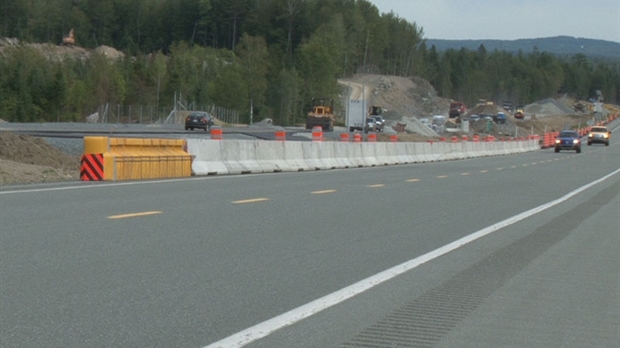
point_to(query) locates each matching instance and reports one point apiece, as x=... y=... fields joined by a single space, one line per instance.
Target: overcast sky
x=509 y=19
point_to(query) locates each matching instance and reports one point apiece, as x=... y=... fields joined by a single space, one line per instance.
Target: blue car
x=568 y=140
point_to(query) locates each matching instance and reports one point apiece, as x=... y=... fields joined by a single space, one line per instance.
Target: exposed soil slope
x=25 y=159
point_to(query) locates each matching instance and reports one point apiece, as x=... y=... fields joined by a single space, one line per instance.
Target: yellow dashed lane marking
x=323 y=192
x=484 y=171
x=413 y=180
x=255 y=200
x=464 y=174
x=500 y=168
x=442 y=177
x=132 y=215
x=376 y=185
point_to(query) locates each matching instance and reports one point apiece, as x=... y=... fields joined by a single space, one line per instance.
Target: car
x=474 y=118
x=508 y=106
x=600 y=135
x=199 y=119
x=425 y=121
x=379 y=121
x=371 y=125
x=568 y=140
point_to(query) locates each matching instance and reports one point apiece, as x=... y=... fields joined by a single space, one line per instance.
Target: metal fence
x=145 y=114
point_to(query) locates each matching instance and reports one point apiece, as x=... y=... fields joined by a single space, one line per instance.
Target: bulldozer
x=69 y=40
x=321 y=115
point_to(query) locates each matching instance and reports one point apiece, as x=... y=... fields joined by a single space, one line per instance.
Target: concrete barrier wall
x=259 y=156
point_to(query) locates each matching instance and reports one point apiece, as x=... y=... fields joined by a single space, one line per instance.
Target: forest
x=262 y=58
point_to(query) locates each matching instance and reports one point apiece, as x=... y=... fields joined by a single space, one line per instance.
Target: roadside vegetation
x=265 y=58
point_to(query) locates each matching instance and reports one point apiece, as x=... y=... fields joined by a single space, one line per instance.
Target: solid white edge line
x=291 y=317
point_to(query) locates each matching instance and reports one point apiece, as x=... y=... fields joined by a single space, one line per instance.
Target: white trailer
x=356 y=110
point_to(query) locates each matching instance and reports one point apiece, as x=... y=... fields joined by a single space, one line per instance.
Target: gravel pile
x=547 y=107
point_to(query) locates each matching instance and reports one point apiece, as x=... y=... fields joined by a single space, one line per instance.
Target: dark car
x=199 y=119
x=568 y=140
x=380 y=122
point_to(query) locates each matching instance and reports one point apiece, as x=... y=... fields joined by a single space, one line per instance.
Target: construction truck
x=69 y=40
x=321 y=115
x=457 y=109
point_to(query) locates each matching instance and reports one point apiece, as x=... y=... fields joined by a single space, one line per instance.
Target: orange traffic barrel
x=317 y=133
x=344 y=137
x=372 y=137
x=357 y=137
x=216 y=133
x=393 y=138
x=280 y=135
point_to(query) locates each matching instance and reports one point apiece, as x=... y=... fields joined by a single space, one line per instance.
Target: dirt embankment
x=25 y=159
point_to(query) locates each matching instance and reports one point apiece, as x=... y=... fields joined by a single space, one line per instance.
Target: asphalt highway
x=520 y=250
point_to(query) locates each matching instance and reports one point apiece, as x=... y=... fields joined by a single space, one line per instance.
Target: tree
x=254 y=57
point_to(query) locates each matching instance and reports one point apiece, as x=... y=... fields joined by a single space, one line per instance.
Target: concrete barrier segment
x=369 y=154
x=340 y=153
x=381 y=154
x=327 y=155
x=312 y=155
x=207 y=157
x=354 y=152
x=294 y=156
x=240 y=157
x=270 y=156
x=392 y=153
x=423 y=152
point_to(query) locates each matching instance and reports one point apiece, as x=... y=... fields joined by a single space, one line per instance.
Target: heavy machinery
x=69 y=40
x=519 y=114
x=457 y=109
x=322 y=114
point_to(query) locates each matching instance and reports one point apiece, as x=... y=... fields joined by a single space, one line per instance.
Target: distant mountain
x=559 y=45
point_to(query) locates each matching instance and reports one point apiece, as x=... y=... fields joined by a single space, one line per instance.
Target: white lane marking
x=291 y=317
x=132 y=215
x=323 y=192
x=253 y=200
